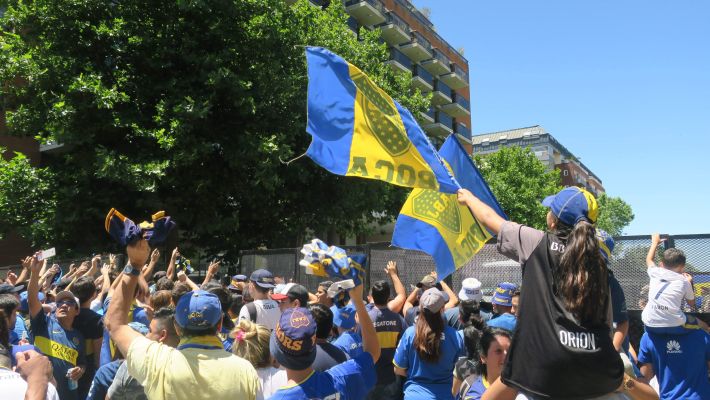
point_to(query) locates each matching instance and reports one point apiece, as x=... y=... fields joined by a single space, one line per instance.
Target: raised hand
x=154 y=256
x=391 y=268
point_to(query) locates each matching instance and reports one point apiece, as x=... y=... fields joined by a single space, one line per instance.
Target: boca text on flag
x=359 y=130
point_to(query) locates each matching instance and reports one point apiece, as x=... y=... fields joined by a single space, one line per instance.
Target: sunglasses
x=68 y=303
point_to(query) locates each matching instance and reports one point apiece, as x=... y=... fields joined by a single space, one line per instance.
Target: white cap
x=471 y=290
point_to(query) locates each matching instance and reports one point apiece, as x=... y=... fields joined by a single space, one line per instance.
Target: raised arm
x=453 y=298
x=25 y=273
x=483 y=213
x=116 y=319
x=396 y=304
x=655 y=241
x=170 y=273
x=211 y=270
x=154 y=257
x=33 y=288
x=182 y=277
x=409 y=303
x=370 y=343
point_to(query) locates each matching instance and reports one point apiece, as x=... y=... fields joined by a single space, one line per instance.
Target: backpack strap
x=466 y=385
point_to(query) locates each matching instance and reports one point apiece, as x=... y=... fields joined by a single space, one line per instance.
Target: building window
x=565 y=173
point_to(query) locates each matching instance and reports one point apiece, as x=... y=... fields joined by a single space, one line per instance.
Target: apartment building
x=436 y=66
x=547 y=149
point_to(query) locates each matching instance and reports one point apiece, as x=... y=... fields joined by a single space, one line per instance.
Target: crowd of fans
x=107 y=331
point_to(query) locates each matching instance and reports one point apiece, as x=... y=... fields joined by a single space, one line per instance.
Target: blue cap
x=503 y=295
x=293 y=342
x=239 y=278
x=197 y=310
x=606 y=244
x=24 y=305
x=573 y=204
x=262 y=278
x=343 y=317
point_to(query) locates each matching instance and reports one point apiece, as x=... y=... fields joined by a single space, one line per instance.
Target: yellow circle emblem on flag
x=439 y=208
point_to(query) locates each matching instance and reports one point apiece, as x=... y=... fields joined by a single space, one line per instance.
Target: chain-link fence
x=628 y=263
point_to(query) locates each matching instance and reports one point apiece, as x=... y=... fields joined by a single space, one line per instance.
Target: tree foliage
x=188 y=106
x=26 y=201
x=614 y=214
x=519 y=181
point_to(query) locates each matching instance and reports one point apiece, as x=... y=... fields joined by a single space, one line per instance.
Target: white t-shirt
x=271 y=380
x=666 y=293
x=13 y=387
x=267 y=313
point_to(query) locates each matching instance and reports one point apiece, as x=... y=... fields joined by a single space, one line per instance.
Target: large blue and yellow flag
x=437 y=224
x=359 y=130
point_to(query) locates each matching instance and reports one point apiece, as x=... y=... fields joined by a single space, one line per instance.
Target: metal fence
x=488 y=266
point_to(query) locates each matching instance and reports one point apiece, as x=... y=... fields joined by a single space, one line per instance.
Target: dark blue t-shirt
x=108 y=348
x=389 y=327
x=102 y=380
x=353 y=379
x=680 y=362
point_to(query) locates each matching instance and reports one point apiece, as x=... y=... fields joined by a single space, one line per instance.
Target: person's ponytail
x=427 y=337
x=582 y=276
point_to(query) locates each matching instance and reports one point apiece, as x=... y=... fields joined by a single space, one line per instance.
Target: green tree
x=614 y=214
x=188 y=106
x=27 y=203
x=519 y=181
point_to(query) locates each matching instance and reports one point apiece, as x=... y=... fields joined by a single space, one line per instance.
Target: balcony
x=422 y=80
x=460 y=129
x=395 y=31
x=367 y=12
x=439 y=63
x=441 y=95
x=398 y=61
x=428 y=117
x=458 y=108
x=457 y=78
x=418 y=49
x=441 y=126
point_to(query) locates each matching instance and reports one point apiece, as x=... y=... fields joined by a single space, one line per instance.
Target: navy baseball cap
x=343 y=317
x=293 y=342
x=7 y=288
x=573 y=204
x=198 y=309
x=262 y=278
x=25 y=305
x=503 y=295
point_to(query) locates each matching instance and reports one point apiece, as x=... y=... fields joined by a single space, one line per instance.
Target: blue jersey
x=390 y=327
x=352 y=380
x=429 y=380
x=108 y=348
x=20 y=329
x=350 y=343
x=680 y=362
x=64 y=348
x=475 y=392
x=102 y=380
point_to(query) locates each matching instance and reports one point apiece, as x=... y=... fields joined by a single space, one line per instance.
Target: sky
x=624 y=85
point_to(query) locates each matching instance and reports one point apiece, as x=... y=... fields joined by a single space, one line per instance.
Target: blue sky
x=624 y=85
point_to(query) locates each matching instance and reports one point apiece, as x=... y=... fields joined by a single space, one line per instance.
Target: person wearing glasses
x=53 y=334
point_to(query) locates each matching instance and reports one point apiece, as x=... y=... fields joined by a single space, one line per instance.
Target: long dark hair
x=427 y=338
x=581 y=277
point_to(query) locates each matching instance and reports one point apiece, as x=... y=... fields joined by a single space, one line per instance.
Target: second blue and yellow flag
x=359 y=130
x=437 y=224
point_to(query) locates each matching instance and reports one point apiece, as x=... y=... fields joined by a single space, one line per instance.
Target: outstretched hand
x=464 y=196
x=138 y=253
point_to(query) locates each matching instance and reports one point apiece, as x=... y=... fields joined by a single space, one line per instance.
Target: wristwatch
x=129 y=270
x=629 y=383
